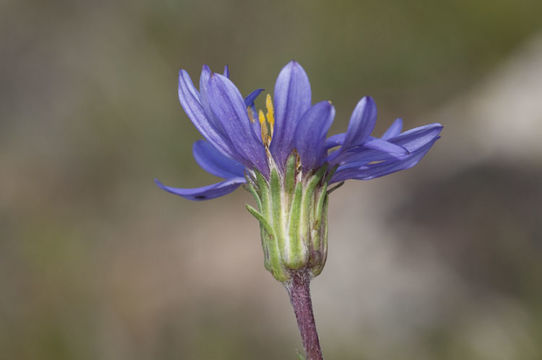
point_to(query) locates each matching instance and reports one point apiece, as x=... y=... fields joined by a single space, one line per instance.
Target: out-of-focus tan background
x=443 y=261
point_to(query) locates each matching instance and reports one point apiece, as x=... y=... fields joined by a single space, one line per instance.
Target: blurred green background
x=443 y=261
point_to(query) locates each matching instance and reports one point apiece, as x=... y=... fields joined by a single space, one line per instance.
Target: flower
x=235 y=143
x=286 y=159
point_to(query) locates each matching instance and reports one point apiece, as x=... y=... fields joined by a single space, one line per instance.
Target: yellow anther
x=270 y=112
x=261 y=118
x=263 y=126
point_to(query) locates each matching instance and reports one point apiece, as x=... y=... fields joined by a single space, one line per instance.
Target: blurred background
x=443 y=261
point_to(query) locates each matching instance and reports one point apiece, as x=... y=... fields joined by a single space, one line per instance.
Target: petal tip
x=183 y=75
x=369 y=99
x=294 y=67
x=159 y=184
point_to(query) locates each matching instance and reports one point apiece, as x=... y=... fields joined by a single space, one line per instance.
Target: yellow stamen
x=270 y=113
x=263 y=125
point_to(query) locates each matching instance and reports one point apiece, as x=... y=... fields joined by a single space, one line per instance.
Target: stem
x=300 y=297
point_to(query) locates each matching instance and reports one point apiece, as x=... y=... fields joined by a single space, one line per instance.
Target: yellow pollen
x=263 y=125
x=270 y=113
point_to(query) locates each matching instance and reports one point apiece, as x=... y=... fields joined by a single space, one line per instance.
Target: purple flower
x=240 y=142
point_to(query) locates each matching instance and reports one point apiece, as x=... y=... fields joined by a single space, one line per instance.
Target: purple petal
x=216 y=163
x=417 y=137
x=386 y=147
x=393 y=130
x=334 y=140
x=227 y=104
x=380 y=168
x=191 y=103
x=204 y=76
x=214 y=120
x=227 y=71
x=411 y=140
x=204 y=97
x=292 y=98
x=206 y=192
x=257 y=130
x=311 y=132
x=363 y=157
x=249 y=100
x=362 y=123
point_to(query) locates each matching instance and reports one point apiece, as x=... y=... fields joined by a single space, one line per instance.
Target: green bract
x=292 y=211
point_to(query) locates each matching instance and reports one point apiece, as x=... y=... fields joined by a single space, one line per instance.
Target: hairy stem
x=299 y=290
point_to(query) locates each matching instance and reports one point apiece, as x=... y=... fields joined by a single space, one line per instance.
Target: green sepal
x=318 y=264
x=276 y=208
x=320 y=207
x=289 y=178
x=308 y=199
x=261 y=182
x=266 y=232
x=276 y=196
x=263 y=222
x=268 y=193
x=297 y=247
x=254 y=193
x=318 y=217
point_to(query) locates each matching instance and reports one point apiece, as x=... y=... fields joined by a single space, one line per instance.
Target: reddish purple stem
x=300 y=297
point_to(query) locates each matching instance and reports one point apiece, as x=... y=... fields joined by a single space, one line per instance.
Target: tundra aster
x=285 y=159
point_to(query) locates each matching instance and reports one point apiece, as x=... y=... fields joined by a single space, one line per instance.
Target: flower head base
x=286 y=160
x=292 y=211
